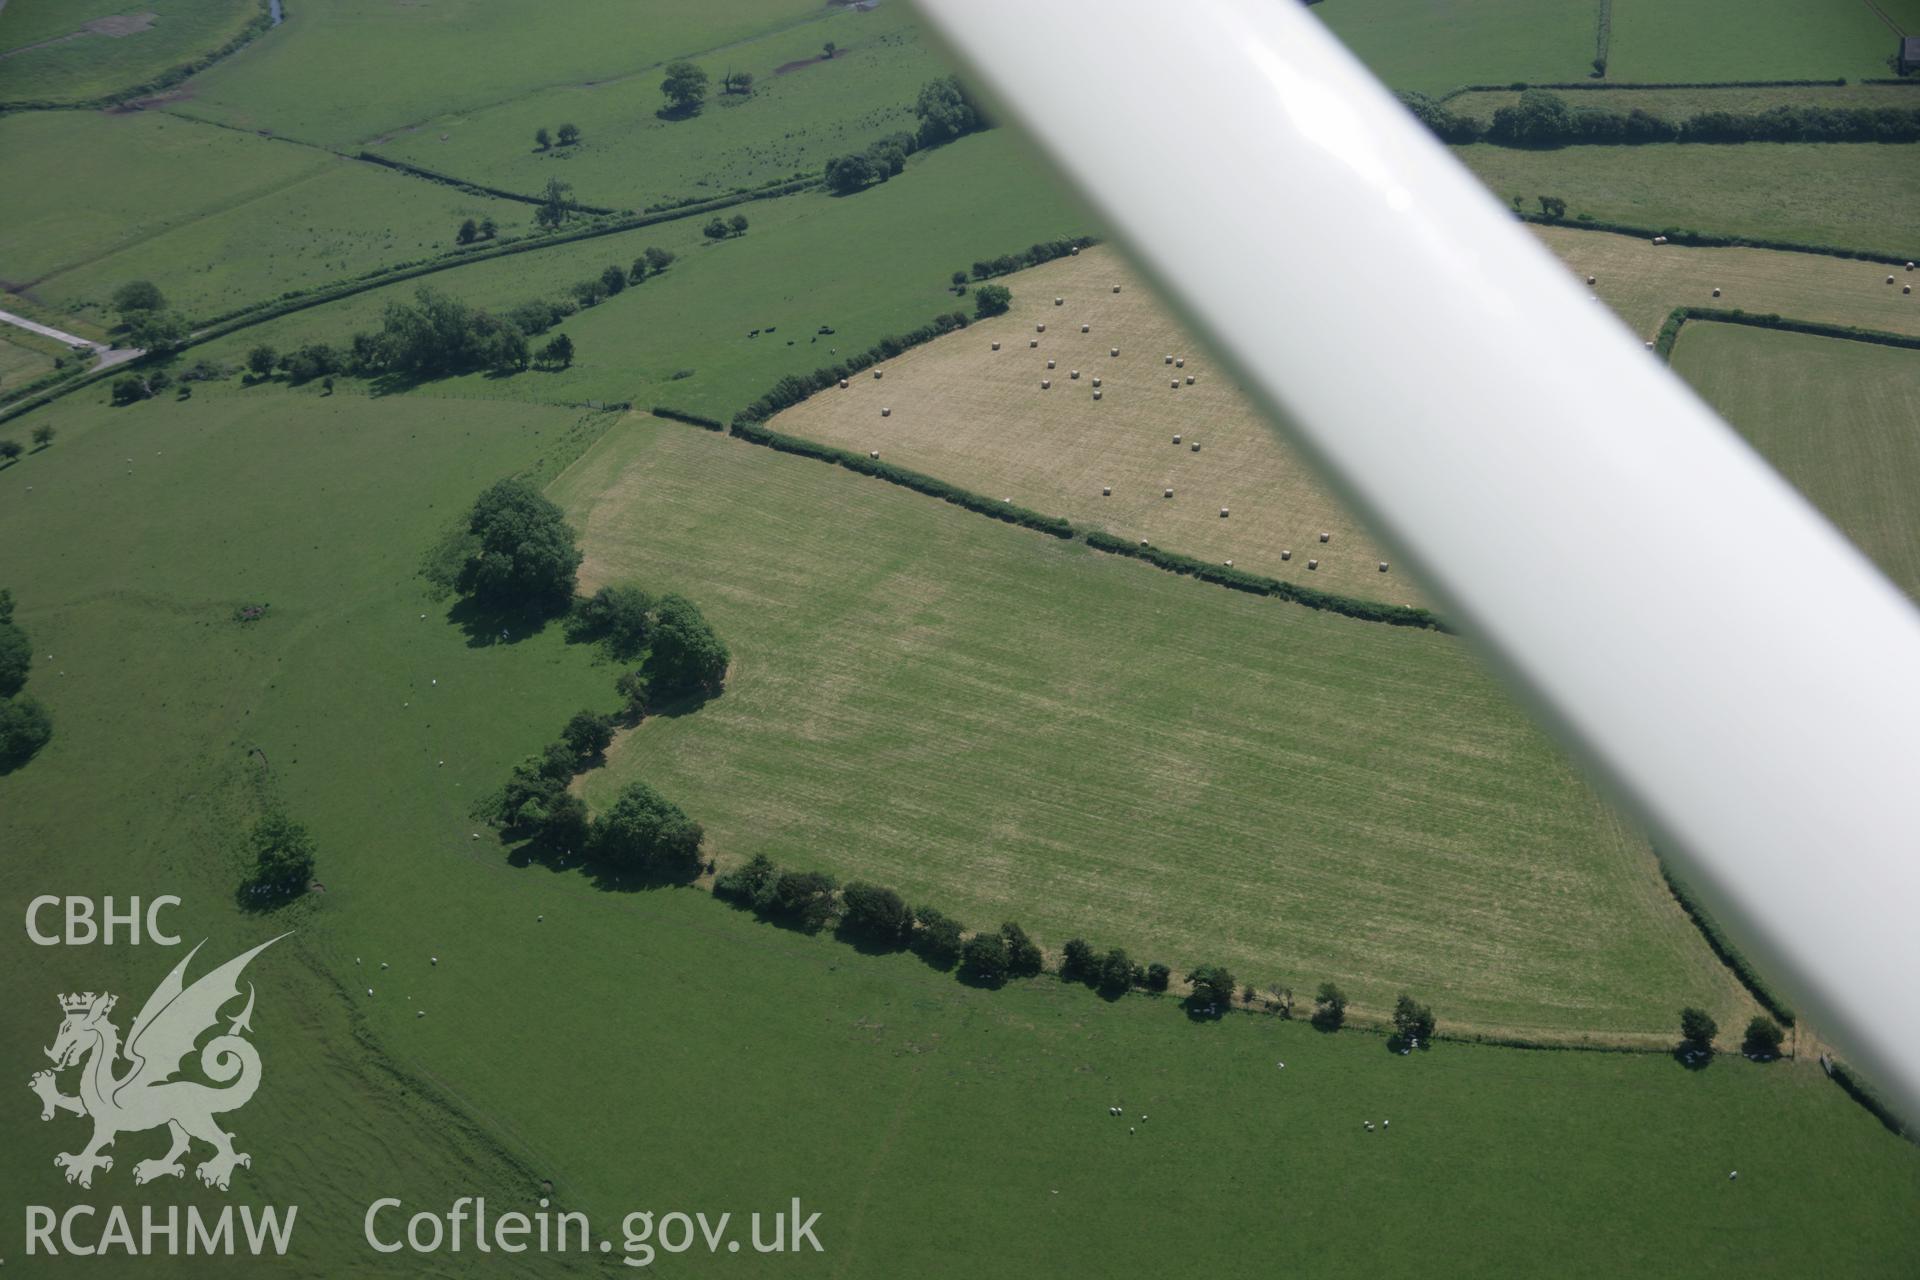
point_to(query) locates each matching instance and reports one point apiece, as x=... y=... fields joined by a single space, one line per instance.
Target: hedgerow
x=1713 y=240
x=1670 y=330
x=1725 y=947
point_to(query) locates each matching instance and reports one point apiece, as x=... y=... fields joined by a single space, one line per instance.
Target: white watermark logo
x=144 y=1094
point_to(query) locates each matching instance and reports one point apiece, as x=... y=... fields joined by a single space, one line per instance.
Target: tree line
x=1543 y=119
x=25 y=726
x=946 y=109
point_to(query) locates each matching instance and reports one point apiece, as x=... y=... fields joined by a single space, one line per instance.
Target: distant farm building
x=1909 y=54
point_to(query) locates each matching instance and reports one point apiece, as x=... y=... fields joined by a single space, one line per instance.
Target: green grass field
x=65 y=52
x=1748 y=40
x=1857 y=195
x=24 y=356
x=258 y=218
x=1837 y=418
x=793 y=122
x=1417 y=44
x=1012 y=727
x=415 y=63
x=794 y=270
x=621 y=1043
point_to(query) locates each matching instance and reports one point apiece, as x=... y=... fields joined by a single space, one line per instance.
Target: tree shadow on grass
x=486 y=627
x=678 y=111
x=1692 y=1057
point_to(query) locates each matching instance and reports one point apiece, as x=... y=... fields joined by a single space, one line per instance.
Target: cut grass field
x=979 y=418
x=22 y=358
x=77 y=52
x=415 y=63
x=1748 y=40
x=803 y=110
x=1841 y=420
x=1010 y=726
x=868 y=265
x=215 y=217
x=1416 y=44
x=866 y=1085
x=1856 y=195
x=1643 y=281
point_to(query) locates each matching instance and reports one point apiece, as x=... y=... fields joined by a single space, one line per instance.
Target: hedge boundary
x=1679 y=316
x=1393 y=615
x=471 y=188
x=1713 y=240
x=1857 y=1088
x=1725 y=947
x=1521 y=86
x=261 y=23
x=1602 y=37
x=693 y=419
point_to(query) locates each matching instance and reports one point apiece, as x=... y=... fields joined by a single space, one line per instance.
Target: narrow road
x=109 y=356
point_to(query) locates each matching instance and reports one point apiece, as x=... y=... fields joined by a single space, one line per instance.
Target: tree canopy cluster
x=25 y=726
x=520 y=554
x=282 y=853
x=1542 y=118
x=685 y=87
x=946 y=110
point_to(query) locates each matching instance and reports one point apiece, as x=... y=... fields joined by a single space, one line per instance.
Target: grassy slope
x=649 y=1032
x=21 y=361
x=1860 y=195
x=1010 y=726
x=1747 y=40
x=792 y=122
x=411 y=63
x=1415 y=44
x=255 y=218
x=1837 y=418
x=807 y=260
x=25 y=22
x=94 y=65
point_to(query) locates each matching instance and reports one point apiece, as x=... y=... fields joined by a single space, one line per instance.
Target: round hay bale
x=1325 y=536
x=1074 y=374
x=1169 y=359
x=1716 y=293
x=876 y=374
x=1113 y=351
x=996 y=346
x=1039 y=328
x=885 y=412
x=1196 y=446
x=1229 y=564
x=1223 y=513
x=1143 y=542
x=1033 y=342
x=1086 y=328
x=1189 y=379
x=843 y=384
x=1175 y=384
x=1097 y=395
x=1059 y=302
x=1906 y=288
x=873 y=453
x=1046 y=384
x=1176 y=439
x=1589 y=279
x=1649 y=344
x=1106 y=491
x=1180 y=363
x=1074 y=251
x=1096 y=382
x=1286 y=555
x=1116 y=288
x=1889 y=279
x=1166 y=493
x=1049 y=364
x=1909 y=266
x=1383 y=566
x=1313 y=564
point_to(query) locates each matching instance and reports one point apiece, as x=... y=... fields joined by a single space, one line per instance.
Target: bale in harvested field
x=1097 y=395
x=1106 y=491
x=1046 y=383
x=1889 y=279
x=1180 y=363
x=1169 y=359
x=1649 y=344
x=1096 y=382
x=873 y=453
x=876 y=375
x=1113 y=351
x=1033 y=342
x=1313 y=564
x=1116 y=288
x=1176 y=439
x=843 y=384
x=1906 y=288
x=1589 y=279
x=1189 y=379
x=1059 y=302
x=1166 y=493
x=1229 y=564
x=1223 y=513
x=1325 y=536
x=1074 y=251
x=1909 y=266
x=886 y=412
x=1196 y=446
x=1086 y=328
x=1074 y=374
x=1286 y=555
x=1143 y=542
x=1049 y=364
x=996 y=346
x=1039 y=328
x=1175 y=384
x=1716 y=293
x=1383 y=566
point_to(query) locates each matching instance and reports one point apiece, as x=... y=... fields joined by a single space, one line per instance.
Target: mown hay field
x=58 y=51
x=1010 y=726
x=1840 y=419
x=1751 y=40
x=980 y=418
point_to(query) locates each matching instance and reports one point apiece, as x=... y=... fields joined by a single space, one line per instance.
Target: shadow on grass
x=485 y=627
x=1693 y=1058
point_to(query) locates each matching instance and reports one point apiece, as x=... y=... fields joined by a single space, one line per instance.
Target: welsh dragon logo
x=145 y=1095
